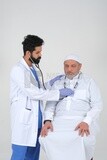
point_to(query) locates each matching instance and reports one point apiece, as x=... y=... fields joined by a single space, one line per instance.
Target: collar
x=23 y=62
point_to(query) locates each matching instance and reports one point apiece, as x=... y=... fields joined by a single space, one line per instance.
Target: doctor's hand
x=64 y=92
x=83 y=129
x=51 y=82
x=45 y=129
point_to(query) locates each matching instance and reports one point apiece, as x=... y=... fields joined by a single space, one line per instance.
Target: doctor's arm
x=51 y=82
x=21 y=79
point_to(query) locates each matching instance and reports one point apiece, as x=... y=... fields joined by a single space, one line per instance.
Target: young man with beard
x=26 y=95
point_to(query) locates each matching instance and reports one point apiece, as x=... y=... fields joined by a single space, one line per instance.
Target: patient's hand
x=83 y=129
x=47 y=126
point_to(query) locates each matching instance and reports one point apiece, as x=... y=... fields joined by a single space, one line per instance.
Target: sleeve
x=18 y=78
x=47 y=84
x=50 y=106
x=95 y=101
x=49 y=110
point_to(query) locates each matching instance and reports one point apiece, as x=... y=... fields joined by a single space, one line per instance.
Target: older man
x=70 y=124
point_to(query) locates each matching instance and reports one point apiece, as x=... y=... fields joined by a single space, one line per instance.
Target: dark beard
x=34 y=60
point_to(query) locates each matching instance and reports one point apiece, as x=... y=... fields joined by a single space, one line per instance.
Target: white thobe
x=84 y=106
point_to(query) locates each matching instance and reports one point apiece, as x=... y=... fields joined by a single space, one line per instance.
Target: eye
x=73 y=65
x=37 y=53
x=66 y=66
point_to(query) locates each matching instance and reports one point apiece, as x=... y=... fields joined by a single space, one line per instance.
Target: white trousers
x=65 y=144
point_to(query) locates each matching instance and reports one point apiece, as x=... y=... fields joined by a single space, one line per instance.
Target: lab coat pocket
x=26 y=116
x=15 y=99
x=80 y=94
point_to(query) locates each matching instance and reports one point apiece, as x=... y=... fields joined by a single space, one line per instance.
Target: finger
x=51 y=128
x=41 y=133
x=77 y=127
x=44 y=132
x=87 y=132
x=81 y=132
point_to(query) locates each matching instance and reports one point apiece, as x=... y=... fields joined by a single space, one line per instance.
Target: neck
x=29 y=63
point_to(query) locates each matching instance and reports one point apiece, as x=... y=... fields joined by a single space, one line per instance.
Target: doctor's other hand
x=46 y=128
x=83 y=129
x=51 y=82
x=64 y=92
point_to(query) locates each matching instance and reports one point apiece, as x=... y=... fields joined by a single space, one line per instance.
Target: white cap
x=74 y=57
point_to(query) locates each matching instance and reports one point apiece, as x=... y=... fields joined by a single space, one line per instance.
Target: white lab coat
x=85 y=105
x=24 y=96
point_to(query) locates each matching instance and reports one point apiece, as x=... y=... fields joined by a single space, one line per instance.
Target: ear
x=80 y=66
x=28 y=54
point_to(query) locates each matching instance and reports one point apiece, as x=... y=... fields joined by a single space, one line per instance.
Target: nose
x=70 y=72
x=69 y=69
x=40 y=54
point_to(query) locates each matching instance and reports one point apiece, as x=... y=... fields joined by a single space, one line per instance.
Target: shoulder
x=16 y=67
x=17 y=70
x=86 y=76
x=89 y=80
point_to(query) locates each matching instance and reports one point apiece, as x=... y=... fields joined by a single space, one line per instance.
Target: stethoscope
x=43 y=83
x=76 y=84
x=37 y=65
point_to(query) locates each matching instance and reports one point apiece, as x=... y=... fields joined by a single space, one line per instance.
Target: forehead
x=70 y=62
x=39 y=48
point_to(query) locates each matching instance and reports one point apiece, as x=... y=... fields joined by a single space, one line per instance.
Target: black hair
x=30 y=42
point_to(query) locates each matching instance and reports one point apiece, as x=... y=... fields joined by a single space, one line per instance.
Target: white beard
x=69 y=76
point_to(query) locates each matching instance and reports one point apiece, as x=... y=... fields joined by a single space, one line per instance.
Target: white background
x=67 y=26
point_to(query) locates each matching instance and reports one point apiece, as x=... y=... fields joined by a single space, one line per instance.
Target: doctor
x=26 y=93
x=70 y=125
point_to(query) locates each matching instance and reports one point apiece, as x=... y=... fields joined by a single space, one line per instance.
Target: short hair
x=30 y=42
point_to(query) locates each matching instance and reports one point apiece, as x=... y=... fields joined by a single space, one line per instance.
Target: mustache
x=71 y=75
x=39 y=58
x=35 y=60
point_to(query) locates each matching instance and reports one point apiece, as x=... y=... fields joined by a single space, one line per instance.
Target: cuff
x=87 y=120
x=47 y=121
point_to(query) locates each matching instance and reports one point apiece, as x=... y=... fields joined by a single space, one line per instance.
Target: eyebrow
x=70 y=64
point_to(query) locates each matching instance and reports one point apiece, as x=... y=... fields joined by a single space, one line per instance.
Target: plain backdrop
x=67 y=26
